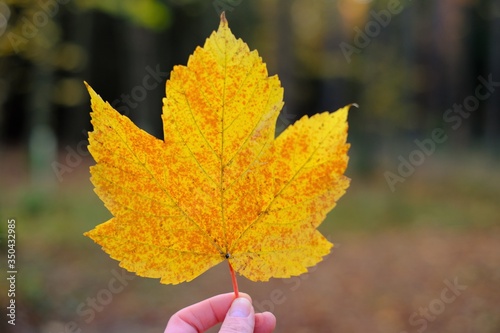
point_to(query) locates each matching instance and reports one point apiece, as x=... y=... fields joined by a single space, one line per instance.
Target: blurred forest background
x=423 y=209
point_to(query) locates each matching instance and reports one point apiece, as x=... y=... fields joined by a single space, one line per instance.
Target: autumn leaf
x=219 y=186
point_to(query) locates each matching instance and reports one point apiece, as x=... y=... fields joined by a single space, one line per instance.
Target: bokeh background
x=417 y=234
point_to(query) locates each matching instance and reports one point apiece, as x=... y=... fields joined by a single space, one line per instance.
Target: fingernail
x=241 y=307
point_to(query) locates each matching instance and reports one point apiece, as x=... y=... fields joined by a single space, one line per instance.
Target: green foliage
x=152 y=14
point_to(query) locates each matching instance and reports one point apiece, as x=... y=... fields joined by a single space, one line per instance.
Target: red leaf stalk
x=233 y=280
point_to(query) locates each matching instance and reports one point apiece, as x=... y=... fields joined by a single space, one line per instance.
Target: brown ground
x=370 y=283
x=391 y=271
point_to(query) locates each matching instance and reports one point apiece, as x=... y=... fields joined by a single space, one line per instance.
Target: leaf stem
x=233 y=280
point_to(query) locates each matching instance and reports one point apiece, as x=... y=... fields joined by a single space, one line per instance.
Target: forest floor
x=422 y=259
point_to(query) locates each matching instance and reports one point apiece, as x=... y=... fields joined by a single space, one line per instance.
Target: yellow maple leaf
x=219 y=186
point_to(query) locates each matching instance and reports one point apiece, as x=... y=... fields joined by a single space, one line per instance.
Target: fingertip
x=240 y=308
x=245 y=295
x=265 y=322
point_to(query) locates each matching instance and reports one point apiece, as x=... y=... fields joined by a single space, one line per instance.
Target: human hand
x=237 y=316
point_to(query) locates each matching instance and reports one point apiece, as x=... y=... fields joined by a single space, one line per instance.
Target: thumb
x=240 y=318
